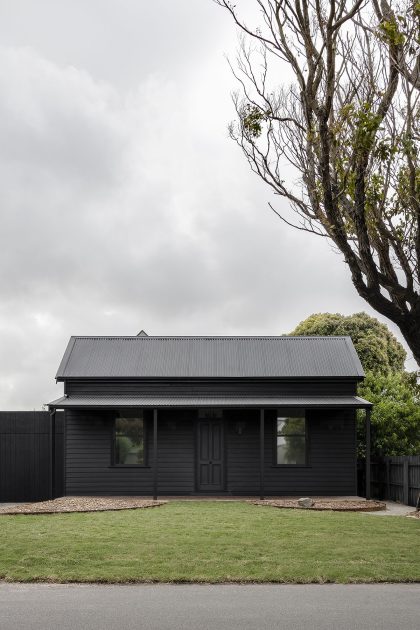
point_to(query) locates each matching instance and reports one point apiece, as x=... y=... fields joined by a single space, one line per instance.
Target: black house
x=210 y=415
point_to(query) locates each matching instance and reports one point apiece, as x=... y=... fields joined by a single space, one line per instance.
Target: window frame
x=121 y=413
x=291 y=413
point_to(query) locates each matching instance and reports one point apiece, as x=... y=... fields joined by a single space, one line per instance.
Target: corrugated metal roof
x=137 y=357
x=68 y=402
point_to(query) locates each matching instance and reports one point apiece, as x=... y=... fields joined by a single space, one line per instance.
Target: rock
x=306 y=502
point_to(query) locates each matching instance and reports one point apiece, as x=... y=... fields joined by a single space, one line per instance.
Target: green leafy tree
x=378 y=349
x=395 y=415
x=328 y=116
x=393 y=392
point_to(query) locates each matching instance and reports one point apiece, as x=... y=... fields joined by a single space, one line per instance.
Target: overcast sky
x=124 y=205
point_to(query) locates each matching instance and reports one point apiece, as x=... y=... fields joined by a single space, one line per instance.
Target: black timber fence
x=29 y=471
x=394 y=478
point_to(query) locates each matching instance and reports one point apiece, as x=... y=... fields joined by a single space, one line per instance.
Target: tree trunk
x=411 y=333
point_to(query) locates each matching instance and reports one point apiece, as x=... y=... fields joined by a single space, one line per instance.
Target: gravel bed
x=325 y=504
x=81 y=504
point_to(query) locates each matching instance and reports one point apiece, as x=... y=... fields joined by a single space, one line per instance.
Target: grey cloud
x=119 y=41
x=123 y=204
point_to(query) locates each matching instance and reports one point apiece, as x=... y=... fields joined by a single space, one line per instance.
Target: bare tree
x=348 y=123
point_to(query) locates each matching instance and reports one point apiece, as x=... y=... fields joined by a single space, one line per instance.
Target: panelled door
x=210 y=460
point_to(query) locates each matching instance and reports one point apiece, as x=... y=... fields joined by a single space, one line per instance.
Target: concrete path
x=393 y=509
x=203 y=607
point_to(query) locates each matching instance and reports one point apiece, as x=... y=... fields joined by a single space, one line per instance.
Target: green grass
x=209 y=542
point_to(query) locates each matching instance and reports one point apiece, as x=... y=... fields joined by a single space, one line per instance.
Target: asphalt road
x=203 y=607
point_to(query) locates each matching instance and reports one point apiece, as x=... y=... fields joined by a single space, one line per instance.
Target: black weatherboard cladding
x=211 y=386
x=331 y=466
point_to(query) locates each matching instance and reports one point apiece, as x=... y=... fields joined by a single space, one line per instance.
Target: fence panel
x=393 y=478
x=25 y=455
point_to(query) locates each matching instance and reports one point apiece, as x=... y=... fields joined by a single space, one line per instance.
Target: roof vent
x=142 y=333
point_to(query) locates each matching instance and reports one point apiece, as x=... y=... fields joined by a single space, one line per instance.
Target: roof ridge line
x=211 y=337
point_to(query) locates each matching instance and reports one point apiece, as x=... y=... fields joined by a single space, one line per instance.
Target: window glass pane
x=291 y=440
x=129 y=441
x=291 y=425
x=291 y=450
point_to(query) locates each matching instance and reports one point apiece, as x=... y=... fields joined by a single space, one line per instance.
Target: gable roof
x=224 y=357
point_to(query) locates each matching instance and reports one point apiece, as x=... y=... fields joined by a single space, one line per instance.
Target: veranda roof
x=111 y=401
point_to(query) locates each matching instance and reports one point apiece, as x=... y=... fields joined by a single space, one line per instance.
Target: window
x=129 y=436
x=291 y=440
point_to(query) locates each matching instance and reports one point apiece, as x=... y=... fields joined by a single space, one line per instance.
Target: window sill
x=291 y=466
x=129 y=466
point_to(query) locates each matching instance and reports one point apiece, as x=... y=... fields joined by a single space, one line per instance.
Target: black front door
x=210 y=455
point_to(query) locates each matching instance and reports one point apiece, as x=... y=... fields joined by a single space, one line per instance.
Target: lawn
x=210 y=542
